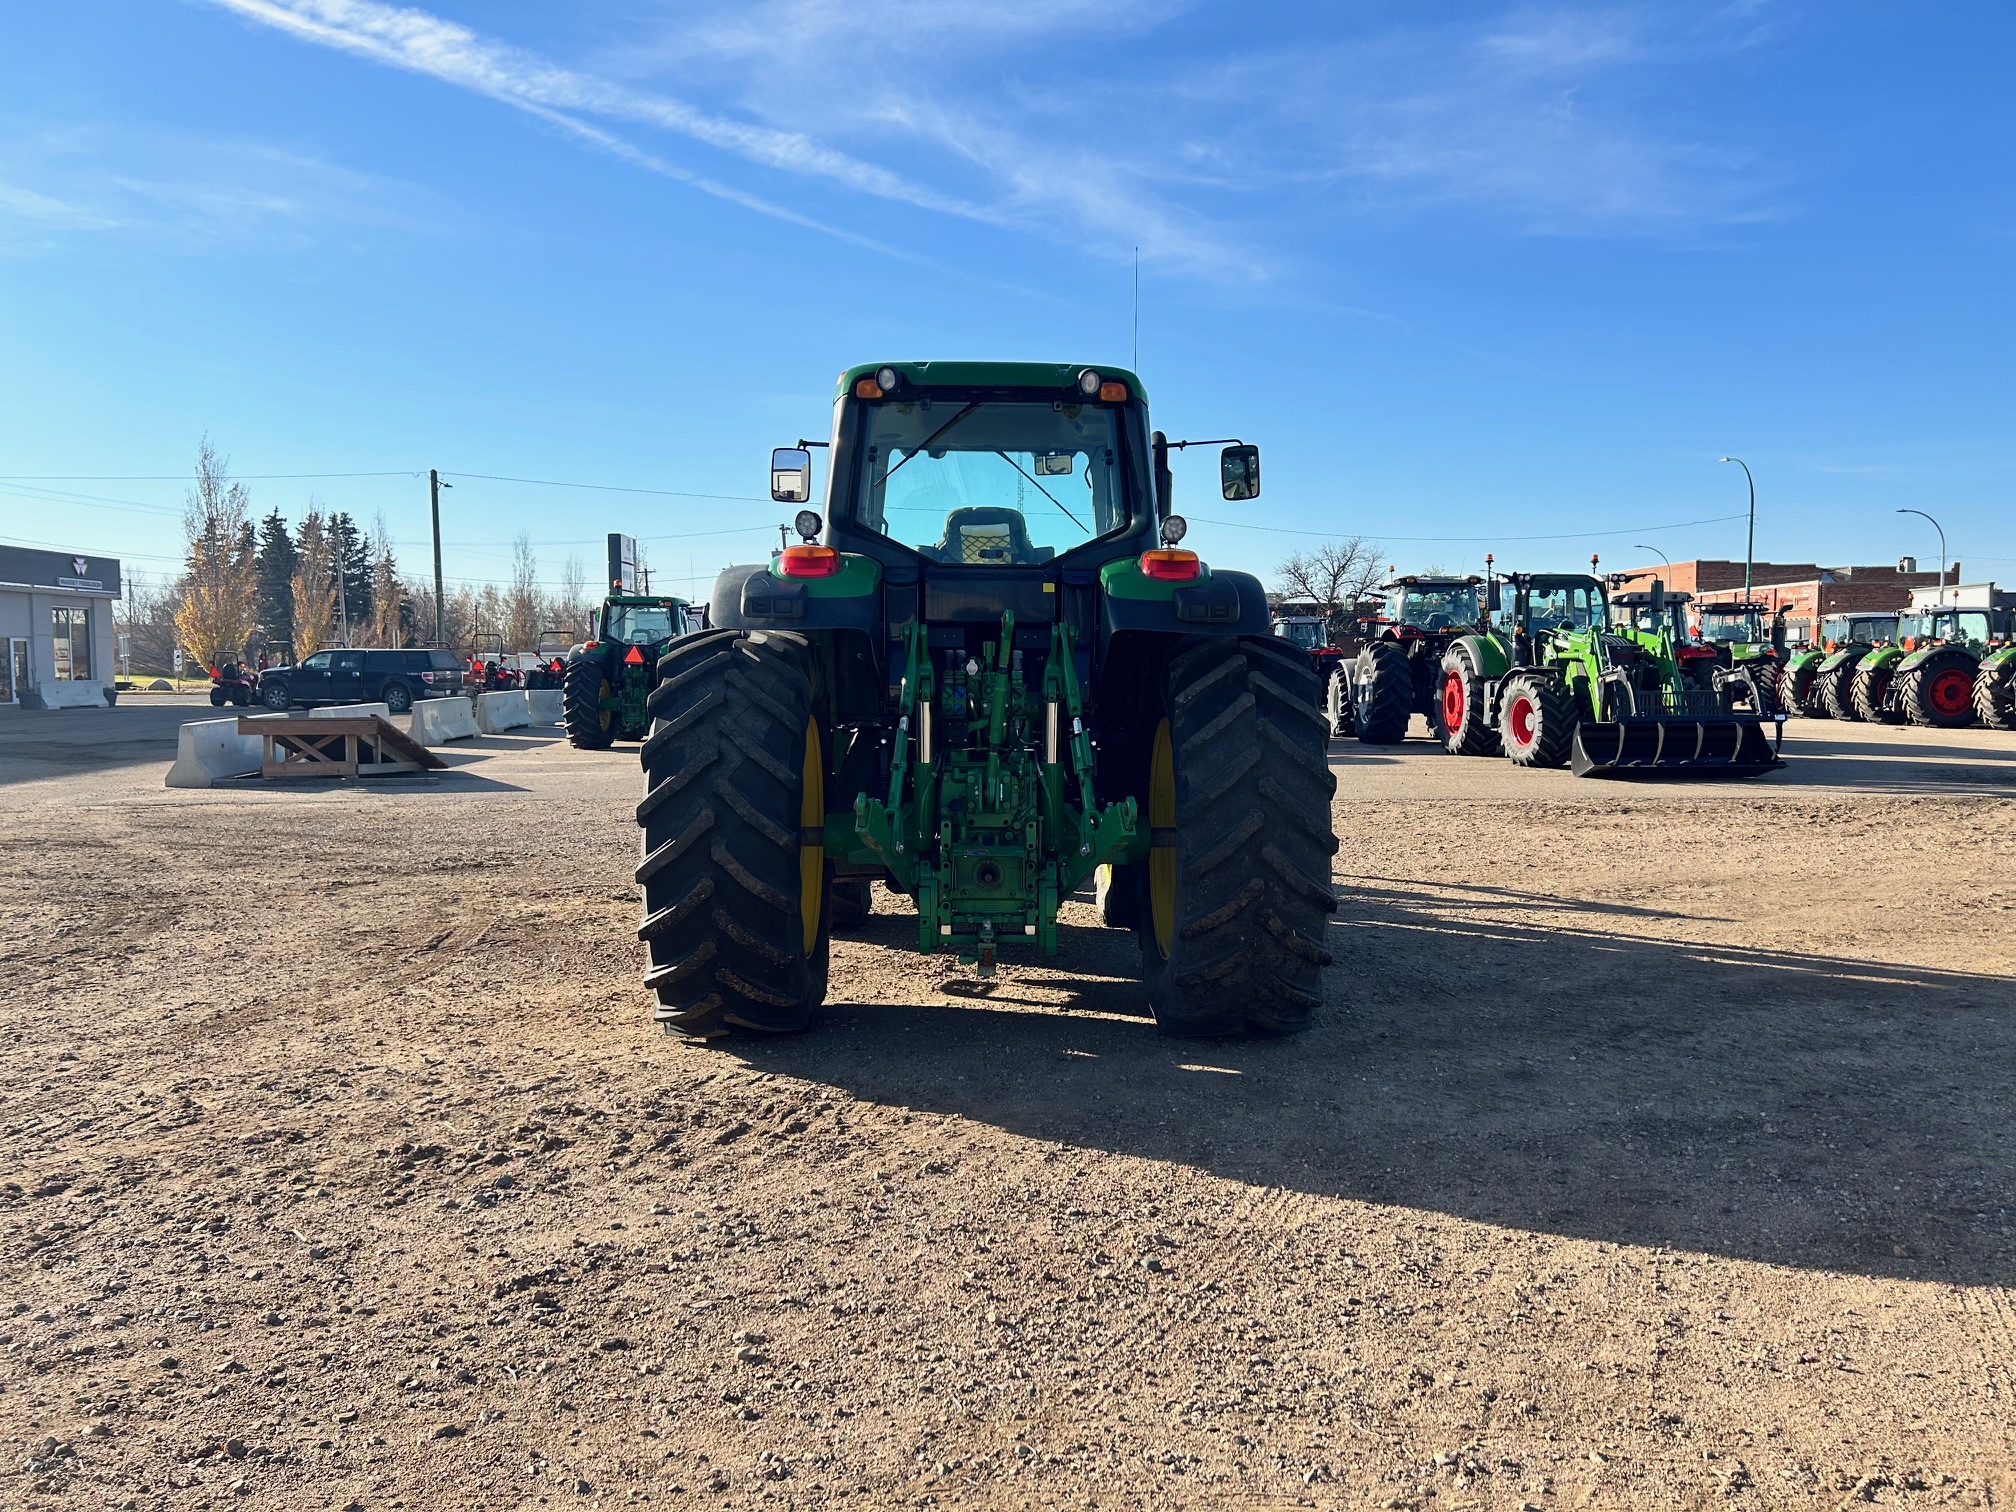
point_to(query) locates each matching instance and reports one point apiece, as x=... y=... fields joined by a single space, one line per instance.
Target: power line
x=1572 y=535
x=183 y=477
x=663 y=493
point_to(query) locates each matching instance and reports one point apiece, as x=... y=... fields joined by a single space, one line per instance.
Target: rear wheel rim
x=1951 y=691
x=1521 y=719
x=1454 y=704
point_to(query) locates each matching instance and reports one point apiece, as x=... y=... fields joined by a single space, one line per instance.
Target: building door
x=14 y=674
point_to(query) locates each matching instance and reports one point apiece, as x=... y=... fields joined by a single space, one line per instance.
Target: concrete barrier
x=497 y=712
x=209 y=752
x=545 y=705
x=436 y=721
x=350 y=711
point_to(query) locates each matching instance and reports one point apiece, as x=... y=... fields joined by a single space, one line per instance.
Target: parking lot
x=1653 y=1148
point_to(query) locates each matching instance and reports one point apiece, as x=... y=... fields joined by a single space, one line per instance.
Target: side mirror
x=790 y=475
x=1239 y=472
x=1494 y=597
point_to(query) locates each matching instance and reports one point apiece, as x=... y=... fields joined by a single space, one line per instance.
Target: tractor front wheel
x=1536 y=721
x=1871 y=683
x=1466 y=731
x=1939 y=691
x=1240 y=833
x=1995 y=694
x=586 y=710
x=736 y=884
x=1836 y=689
x=1383 y=689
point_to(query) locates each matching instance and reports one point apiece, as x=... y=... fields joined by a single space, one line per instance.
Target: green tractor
x=1933 y=675
x=1571 y=676
x=1398 y=673
x=989 y=675
x=1750 y=636
x=1814 y=682
x=609 y=677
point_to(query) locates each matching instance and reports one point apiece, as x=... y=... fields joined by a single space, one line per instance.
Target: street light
x=1750 y=542
x=1942 y=550
x=1657 y=553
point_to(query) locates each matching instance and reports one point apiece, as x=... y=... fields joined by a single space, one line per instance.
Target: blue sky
x=1463 y=270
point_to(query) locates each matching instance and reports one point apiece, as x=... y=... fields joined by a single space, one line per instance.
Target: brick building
x=1807 y=591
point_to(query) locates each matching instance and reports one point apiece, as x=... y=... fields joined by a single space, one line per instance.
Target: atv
x=1813 y=681
x=1571 y=676
x=1398 y=674
x=1312 y=633
x=987 y=674
x=233 y=683
x=608 y=679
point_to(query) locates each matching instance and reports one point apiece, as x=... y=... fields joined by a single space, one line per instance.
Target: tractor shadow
x=1515 y=1059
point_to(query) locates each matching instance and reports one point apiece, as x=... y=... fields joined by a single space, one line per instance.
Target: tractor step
x=1676 y=746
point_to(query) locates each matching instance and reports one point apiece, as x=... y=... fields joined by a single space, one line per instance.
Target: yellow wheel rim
x=812 y=821
x=1161 y=829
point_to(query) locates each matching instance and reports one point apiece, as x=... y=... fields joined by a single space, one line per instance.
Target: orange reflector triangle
x=634 y=657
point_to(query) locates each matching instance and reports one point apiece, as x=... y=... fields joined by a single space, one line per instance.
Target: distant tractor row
x=1940 y=667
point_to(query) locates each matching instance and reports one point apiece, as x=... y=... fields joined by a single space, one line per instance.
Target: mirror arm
x=1221 y=441
x=803 y=444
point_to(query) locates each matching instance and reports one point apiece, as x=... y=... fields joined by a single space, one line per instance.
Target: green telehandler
x=1813 y=682
x=1571 y=676
x=988 y=674
x=608 y=678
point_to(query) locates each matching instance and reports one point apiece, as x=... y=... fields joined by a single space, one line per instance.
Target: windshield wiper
x=1041 y=489
x=928 y=440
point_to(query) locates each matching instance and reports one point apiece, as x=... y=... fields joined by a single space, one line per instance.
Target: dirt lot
x=1655 y=1151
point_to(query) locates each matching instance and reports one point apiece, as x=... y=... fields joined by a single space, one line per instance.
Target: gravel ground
x=1654 y=1151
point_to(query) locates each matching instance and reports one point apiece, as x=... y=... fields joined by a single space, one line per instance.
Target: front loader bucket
x=1721 y=745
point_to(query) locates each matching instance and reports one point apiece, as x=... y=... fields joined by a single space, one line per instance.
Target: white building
x=56 y=628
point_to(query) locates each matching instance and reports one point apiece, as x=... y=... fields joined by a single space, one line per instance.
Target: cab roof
x=1421 y=580
x=1035 y=375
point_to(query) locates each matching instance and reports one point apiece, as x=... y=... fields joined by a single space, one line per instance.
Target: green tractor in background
x=1750 y=636
x=608 y=678
x=1930 y=676
x=1570 y=676
x=989 y=675
x=1814 y=682
x=1398 y=673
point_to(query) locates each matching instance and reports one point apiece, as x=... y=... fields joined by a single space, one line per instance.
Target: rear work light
x=808 y=561
x=1167 y=566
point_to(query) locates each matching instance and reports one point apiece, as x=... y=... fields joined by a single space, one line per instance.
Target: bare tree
x=146 y=618
x=1334 y=576
x=521 y=605
x=387 y=623
x=314 y=584
x=220 y=594
x=573 y=608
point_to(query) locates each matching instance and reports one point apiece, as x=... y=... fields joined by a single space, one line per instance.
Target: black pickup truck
x=393 y=678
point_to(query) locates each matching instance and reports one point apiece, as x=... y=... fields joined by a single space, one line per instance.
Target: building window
x=73 y=644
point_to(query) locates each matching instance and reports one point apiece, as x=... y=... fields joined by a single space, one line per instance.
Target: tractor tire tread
x=581 y=708
x=1385 y=694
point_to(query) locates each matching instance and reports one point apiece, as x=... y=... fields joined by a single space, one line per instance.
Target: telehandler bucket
x=1675 y=745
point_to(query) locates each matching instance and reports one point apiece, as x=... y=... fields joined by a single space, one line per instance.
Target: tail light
x=1169 y=565
x=808 y=561
x=426 y=677
x=592 y=646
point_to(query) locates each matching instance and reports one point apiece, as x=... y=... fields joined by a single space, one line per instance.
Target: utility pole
x=1750 y=542
x=434 y=487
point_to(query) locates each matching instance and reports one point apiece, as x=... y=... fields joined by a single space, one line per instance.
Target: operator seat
x=987 y=535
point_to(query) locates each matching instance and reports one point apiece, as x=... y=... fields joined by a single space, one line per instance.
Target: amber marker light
x=1112 y=392
x=867 y=388
x=808 y=561
x=1170 y=566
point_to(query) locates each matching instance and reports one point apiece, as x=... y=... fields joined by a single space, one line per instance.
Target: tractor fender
x=1999 y=657
x=1917 y=657
x=1487 y=653
x=755 y=598
x=1811 y=658
x=1845 y=654
x=1219 y=603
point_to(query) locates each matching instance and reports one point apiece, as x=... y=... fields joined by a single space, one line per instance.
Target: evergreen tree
x=276 y=582
x=353 y=559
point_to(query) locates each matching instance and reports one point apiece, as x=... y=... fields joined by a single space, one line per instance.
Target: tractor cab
x=1842 y=630
x=1417 y=606
x=1733 y=624
x=1304 y=630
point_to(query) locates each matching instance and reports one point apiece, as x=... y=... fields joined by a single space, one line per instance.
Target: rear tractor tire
x=1536 y=721
x=1796 y=686
x=1339 y=707
x=1995 y=695
x=1238 y=874
x=1939 y=691
x=737 y=888
x=585 y=711
x=1383 y=690
x=852 y=904
x=1460 y=701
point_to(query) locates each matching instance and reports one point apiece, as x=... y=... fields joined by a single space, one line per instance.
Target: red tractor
x=1312 y=633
